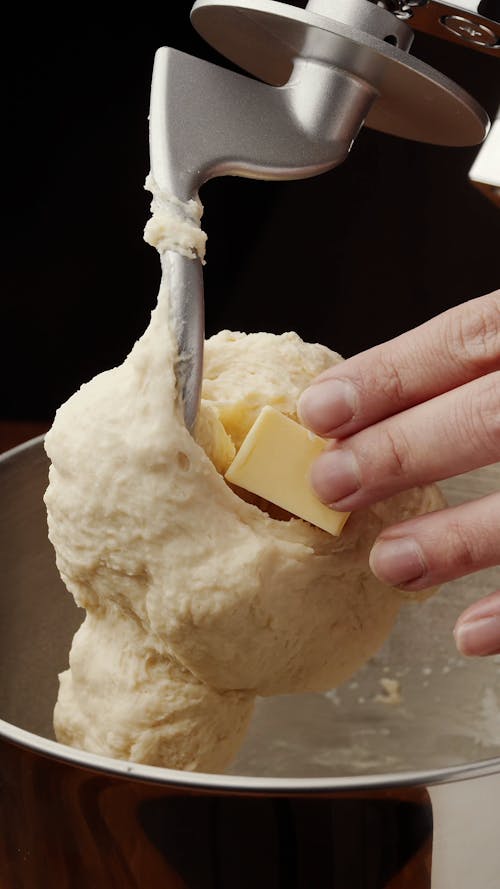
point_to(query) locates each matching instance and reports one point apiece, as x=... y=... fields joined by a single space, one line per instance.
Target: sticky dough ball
x=167 y=558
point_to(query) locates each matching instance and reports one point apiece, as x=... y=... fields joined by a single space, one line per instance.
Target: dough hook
x=324 y=71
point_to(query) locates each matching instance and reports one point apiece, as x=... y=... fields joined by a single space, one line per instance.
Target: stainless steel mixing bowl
x=344 y=790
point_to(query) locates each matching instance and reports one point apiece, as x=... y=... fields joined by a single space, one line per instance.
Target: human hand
x=423 y=407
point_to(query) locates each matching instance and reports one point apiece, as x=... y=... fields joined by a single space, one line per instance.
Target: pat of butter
x=274 y=462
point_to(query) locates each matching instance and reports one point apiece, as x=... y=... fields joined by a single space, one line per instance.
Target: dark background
x=390 y=238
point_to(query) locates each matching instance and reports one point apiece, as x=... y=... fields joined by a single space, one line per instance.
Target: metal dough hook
x=327 y=70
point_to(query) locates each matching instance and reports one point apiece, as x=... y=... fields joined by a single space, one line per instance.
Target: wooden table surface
x=13 y=432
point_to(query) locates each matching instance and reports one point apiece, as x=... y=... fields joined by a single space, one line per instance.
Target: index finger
x=451 y=349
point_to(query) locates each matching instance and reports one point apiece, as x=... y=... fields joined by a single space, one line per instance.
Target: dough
x=197 y=600
x=135 y=704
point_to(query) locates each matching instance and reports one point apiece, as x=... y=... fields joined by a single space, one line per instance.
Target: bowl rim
x=222 y=783
x=242 y=784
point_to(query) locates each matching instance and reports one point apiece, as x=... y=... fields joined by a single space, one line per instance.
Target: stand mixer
x=336 y=790
x=323 y=72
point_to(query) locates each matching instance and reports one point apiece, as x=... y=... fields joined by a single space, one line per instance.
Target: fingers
x=448 y=435
x=477 y=630
x=448 y=351
x=441 y=546
x=420 y=408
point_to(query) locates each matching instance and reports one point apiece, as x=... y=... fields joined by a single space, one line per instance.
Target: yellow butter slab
x=274 y=462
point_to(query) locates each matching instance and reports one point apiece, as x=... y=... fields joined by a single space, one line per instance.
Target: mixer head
x=275 y=42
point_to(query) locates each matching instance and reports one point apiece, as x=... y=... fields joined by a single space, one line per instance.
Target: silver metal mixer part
x=326 y=71
x=232 y=125
x=471 y=23
x=414 y=101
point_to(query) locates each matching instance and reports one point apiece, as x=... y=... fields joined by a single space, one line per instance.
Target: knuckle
x=486 y=413
x=389 y=382
x=473 y=335
x=398 y=451
x=462 y=550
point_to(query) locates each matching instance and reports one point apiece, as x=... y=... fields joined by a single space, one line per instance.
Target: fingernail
x=326 y=406
x=397 y=562
x=335 y=475
x=478 y=638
